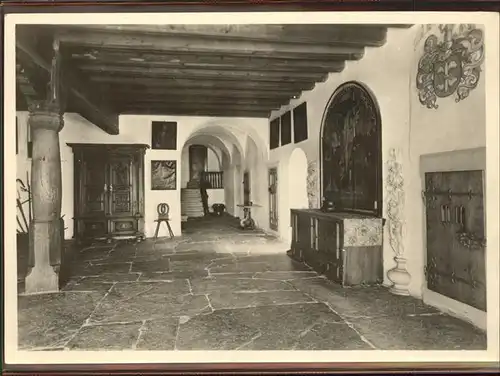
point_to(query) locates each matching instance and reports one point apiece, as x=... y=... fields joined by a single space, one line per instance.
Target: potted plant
x=219 y=209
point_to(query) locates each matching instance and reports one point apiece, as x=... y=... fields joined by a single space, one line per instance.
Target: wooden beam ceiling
x=177 y=83
x=207 y=60
x=36 y=65
x=208 y=70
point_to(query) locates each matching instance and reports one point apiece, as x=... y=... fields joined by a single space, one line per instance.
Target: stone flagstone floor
x=219 y=288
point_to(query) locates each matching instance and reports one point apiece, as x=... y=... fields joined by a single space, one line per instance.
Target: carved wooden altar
x=346 y=245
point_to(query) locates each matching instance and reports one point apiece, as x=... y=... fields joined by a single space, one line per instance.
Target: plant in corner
x=219 y=209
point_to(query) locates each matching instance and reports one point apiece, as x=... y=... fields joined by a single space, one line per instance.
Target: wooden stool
x=163 y=210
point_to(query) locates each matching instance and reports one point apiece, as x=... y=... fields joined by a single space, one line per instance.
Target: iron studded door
x=273 y=198
x=456 y=264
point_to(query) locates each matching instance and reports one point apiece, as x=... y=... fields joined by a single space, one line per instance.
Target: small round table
x=247 y=223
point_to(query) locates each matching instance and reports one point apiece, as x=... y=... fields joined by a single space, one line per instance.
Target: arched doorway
x=351 y=156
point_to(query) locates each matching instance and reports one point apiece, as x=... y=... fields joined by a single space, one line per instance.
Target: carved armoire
x=108 y=191
x=345 y=242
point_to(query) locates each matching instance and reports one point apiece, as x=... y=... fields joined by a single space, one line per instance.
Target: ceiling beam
x=80 y=94
x=95 y=53
x=329 y=34
x=30 y=87
x=194 y=112
x=186 y=61
x=130 y=91
x=172 y=84
x=198 y=101
x=196 y=106
x=204 y=74
x=197 y=44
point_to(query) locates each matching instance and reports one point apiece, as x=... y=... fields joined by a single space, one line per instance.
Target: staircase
x=191 y=205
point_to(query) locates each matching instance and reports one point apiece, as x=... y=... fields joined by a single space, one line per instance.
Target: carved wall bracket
x=450 y=64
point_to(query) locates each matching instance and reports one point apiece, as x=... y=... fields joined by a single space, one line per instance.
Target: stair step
x=191 y=204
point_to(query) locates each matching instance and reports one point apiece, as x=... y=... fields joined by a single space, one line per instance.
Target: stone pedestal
x=46 y=122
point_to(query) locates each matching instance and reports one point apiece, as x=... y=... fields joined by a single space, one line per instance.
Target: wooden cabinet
x=345 y=247
x=108 y=191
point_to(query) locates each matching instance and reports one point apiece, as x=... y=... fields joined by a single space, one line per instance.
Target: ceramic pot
x=400 y=277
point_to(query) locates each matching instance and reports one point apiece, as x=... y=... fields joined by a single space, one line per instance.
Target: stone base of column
x=43 y=277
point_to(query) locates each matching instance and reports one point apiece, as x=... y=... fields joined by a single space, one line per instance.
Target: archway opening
x=202 y=175
x=238 y=152
x=351 y=156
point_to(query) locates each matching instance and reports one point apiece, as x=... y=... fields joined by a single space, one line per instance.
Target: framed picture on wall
x=300 y=123
x=163 y=175
x=274 y=133
x=286 y=128
x=164 y=135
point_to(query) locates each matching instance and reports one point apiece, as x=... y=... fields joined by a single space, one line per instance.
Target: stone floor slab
x=106 y=337
x=175 y=275
x=49 y=320
x=365 y=302
x=106 y=268
x=429 y=332
x=285 y=276
x=330 y=336
x=148 y=301
x=198 y=333
x=207 y=286
x=159 y=265
x=223 y=299
x=159 y=334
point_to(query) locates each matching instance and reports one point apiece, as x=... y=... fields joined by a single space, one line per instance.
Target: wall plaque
x=451 y=64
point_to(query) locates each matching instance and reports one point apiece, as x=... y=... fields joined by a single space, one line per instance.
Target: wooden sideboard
x=345 y=247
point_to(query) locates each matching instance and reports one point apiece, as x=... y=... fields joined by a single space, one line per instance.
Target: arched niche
x=351 y=156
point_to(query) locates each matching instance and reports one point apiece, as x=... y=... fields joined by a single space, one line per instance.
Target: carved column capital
x=46 y=115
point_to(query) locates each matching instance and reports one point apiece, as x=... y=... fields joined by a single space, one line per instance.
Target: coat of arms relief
x=451 y=64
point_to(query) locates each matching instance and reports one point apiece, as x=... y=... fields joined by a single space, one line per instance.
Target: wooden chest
x=345 y=247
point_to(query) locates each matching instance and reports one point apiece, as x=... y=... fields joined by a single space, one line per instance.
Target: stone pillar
x=46 y=122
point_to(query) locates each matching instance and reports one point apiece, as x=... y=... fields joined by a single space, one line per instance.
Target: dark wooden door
x=246 y=188
x=121 y=194
x=455 y=236
x=273 y=198
x=93 y=195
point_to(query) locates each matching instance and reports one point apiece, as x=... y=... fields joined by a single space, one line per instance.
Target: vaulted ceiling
x=196 y=70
